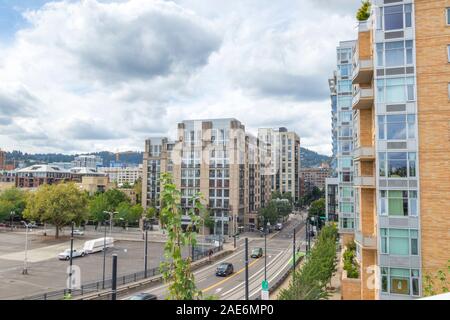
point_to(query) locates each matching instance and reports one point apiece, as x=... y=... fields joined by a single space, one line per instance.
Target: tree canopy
x=59 y=204
x=12 y=200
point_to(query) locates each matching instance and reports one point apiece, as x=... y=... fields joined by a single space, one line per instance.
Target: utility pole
x=246 y=269
x=71 y=257
x=265 y=253
x=293 y=257
x=104 y=257
x=146 y=248
x=114 y=277
x=25 y=261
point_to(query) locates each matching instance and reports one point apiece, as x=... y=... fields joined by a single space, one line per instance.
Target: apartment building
x=217 y=158
x=123 y=175
x=157 y=159
x=401 y=105
x=342 y=133
x=37 y=175
x=284 y=146
x=89 y=161
x=313 y=177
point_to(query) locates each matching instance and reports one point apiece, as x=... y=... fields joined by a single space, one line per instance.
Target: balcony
x=364 y=182
x=366 y=242
x=363 y=71
x=363 y=99
x=364 y=153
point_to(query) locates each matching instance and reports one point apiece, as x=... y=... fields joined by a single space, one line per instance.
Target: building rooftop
x=44 y=168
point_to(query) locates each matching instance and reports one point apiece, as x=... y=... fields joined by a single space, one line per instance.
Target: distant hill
x=308 y=158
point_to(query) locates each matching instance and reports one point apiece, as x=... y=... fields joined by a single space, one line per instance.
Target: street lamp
x=25 y=261
x=146 y=247
x=111 y=214
x=11 y=214
x=71 y=257
x=104 y=256
x=265 y=250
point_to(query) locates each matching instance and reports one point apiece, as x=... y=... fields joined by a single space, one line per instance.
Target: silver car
x=78 y=232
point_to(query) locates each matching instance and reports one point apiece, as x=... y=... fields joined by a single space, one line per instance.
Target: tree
x=114 y=197
x=268 y=213
x=12 y=200
x=176 y=269
x=59 y=204
x=97 y=207
x=309 y=283
x=317 y=208
x=284 y=207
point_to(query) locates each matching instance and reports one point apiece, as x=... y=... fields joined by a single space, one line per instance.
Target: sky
x=88 y=75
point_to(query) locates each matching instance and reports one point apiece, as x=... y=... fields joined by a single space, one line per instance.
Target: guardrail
x=97 y=286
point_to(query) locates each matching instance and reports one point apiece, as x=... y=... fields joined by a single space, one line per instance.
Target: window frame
x=386 y=275
x=411 y=201
x=386 y=236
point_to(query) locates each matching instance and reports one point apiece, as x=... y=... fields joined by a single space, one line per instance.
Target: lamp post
x=71 y=257
x=25 y=261
x=111 y=214
x=146 y=247
x=265 y=251
x=104 y=257
x=11 y=214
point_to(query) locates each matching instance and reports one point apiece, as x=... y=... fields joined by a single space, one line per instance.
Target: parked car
x=65 y=255
x=143 y=296
x=32 y=225
x=78 y=232
x=278 y=226
x=257 y=253
x=224 y=269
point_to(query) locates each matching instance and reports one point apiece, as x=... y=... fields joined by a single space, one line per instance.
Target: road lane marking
x=260 y=271
x=229 y=278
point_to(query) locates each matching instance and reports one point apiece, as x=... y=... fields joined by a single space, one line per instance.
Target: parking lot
x=47 y=273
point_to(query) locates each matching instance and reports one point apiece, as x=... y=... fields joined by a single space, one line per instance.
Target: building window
x=397 y=164
x=447 y=10
x=448 y=52
x=347 y=223
x=397 y=17
x=347 y=192
x=400 y=281
x=396 y=127
x=400 y=203
x=394 y=54
x=401 y=242
x=346 y=207
x=395 y=90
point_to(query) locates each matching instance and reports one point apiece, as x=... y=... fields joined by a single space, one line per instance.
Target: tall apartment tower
x=401 y=104
x=342 y=117
x=157 y=159
x=284 y=147
x=212 y=162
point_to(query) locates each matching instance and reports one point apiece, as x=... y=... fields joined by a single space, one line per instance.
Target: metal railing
x=121 y=280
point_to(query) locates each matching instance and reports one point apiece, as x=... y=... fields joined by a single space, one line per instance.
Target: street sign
x=265 y=290
x=265 y=285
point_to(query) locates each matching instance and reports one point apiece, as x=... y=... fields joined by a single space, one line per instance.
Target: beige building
x=401 y=114
x=123 y=175
x=284 y=167
x=217 y=159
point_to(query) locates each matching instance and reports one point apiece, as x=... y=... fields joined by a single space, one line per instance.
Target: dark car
x=224 y=269
x=257 y=253
x=311 y=233
x=143 y=296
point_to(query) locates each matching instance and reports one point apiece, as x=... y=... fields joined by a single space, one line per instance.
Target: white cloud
x=105 y=75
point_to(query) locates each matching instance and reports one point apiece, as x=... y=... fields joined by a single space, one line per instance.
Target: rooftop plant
x=364 y=11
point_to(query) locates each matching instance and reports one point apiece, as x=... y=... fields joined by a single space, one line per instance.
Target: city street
x=279 y=250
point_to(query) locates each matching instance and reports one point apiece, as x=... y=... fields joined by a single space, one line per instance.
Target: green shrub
x=364 y=11
x=350 y=264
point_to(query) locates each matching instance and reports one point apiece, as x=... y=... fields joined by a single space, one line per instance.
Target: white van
x=97 y=245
